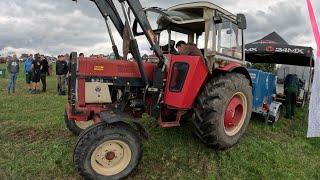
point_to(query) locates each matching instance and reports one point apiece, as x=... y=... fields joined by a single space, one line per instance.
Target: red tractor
x=112 y=94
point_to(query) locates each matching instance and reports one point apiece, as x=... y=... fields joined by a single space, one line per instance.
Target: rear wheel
x=107 y=151
x=76 y=127
x=223 y=110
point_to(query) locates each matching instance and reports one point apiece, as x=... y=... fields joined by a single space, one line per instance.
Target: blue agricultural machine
x=264 y=95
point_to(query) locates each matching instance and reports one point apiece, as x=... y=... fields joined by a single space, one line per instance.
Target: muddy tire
x=76 y=127
x=107 y=151
x=223 y=110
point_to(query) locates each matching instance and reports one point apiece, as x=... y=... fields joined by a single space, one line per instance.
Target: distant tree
x=265 y=67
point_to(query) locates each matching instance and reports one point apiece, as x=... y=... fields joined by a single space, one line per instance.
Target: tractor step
x=170 y=124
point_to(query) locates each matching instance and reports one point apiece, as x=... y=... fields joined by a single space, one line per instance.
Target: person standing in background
x=291 y=89
x=44 y=71
x=81 y=55
x=13 y=69
x=28 y=71
x=61 y=71
x=36 y=74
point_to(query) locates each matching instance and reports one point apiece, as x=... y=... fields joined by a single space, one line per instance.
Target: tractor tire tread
x=100 y=130
x=209 y=109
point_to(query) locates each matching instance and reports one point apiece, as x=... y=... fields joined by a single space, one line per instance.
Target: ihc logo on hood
x=98 y=89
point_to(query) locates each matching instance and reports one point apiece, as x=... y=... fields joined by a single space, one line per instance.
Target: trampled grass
x=34 y=144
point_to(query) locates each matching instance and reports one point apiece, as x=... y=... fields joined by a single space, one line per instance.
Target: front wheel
x=223 y=110
x=107 y=151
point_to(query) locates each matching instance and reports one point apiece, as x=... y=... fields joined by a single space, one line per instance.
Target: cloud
x=61 y=26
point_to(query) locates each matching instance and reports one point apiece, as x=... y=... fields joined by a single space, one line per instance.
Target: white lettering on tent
x=289 y=50
x=252 y=50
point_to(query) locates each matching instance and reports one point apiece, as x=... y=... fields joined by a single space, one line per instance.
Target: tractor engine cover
x=102 y=67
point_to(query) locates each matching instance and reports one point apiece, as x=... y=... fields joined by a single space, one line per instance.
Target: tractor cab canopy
x=213 y=29
x=191 y=17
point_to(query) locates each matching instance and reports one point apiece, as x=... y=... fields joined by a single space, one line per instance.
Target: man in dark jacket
x=36 y=74
x=291 y=89
x=189 y=49
x=44 y=72
x=13 y=69
x=61 y=72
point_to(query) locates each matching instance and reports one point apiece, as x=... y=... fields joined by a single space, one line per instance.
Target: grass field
x=34 y=144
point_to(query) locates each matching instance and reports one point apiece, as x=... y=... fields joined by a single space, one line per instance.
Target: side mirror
x=242 y=22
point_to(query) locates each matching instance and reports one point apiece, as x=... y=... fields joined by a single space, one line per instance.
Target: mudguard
x=234 y=67
x=110 y=118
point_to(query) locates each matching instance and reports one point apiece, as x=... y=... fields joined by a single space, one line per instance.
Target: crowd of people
x=36 y=69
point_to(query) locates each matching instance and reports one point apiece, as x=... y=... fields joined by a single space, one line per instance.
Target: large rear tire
x=76 y=127
x=107 y=151
x=223 y=110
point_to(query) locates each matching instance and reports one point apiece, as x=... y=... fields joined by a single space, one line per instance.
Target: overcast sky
x=61 y=26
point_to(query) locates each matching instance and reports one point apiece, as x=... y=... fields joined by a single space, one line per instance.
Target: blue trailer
x=264 y=94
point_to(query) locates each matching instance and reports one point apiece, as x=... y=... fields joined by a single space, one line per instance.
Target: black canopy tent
x=274 y=49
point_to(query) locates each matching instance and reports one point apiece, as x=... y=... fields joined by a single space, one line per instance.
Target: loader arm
x=108 y=9
x=143 y=21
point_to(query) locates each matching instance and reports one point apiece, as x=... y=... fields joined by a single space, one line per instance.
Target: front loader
x=113 y=94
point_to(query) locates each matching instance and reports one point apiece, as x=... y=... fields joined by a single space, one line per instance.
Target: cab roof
x=198 y=8
x=190 y=17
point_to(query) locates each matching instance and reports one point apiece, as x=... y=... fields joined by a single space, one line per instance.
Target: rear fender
x=123 y=118
x=233 y=67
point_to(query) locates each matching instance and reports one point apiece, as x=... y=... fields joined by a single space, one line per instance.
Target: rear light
x=265 y=105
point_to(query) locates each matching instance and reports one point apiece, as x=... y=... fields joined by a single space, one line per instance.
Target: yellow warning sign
x=98 y=68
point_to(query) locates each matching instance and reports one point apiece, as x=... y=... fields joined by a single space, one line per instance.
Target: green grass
x=34 y=144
